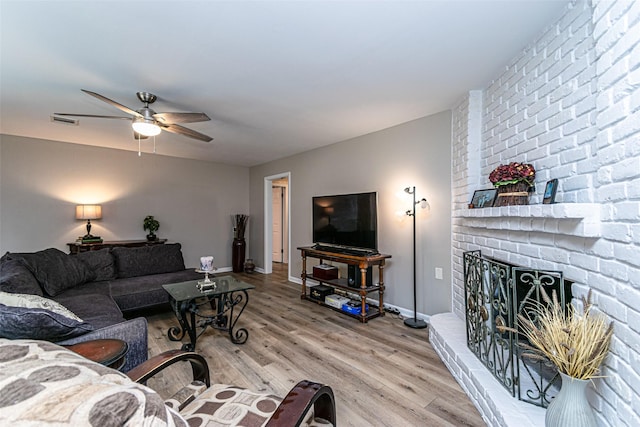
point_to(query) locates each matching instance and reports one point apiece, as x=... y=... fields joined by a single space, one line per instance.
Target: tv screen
x=348 y=220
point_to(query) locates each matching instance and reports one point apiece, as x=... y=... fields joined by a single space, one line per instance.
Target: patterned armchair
x=43 y=383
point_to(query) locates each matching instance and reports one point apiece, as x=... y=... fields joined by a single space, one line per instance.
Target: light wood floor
x=382 y=373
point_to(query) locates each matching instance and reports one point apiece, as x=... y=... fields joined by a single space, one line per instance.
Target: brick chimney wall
x=570 y=105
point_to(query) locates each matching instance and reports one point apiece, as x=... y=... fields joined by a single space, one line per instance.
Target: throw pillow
x=16 y=278
x=142 y=261
x=101 y=262
x=34 y=317
x=35 y=301
x=55 y=270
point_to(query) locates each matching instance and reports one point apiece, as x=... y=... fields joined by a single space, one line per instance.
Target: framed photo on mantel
x=550 y=192
x=483 y=198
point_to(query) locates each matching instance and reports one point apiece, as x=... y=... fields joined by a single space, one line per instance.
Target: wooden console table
x=74 y=248
x=363 y=262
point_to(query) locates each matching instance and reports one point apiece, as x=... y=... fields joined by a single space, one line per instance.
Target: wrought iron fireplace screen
x=495 y=293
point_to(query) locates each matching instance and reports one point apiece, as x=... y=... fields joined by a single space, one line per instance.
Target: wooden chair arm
x=148 y=369
x=299 y=400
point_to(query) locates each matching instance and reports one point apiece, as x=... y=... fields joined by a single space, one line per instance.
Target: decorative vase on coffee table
x=570 y=407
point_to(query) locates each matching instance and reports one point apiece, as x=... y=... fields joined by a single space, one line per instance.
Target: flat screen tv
x=346 y=220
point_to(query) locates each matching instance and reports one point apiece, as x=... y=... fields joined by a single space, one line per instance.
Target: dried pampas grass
x=576 y=342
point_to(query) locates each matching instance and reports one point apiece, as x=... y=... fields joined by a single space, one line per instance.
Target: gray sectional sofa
x=98 y=287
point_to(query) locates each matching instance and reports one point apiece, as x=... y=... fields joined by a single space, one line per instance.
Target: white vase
x=570 y=407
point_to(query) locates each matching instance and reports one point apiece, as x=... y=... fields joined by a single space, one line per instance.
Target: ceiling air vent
x=65 y=120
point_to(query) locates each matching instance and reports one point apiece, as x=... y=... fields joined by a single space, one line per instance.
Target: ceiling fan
x=146 y=122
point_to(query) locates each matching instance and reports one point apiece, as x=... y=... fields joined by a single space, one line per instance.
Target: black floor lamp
x=415 y=322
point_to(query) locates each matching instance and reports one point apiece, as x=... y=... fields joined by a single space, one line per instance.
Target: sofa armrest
x=133 y=332
x=297 y=403
x=148 y=369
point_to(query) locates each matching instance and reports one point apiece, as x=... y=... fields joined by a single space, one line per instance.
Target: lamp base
x=415 y=323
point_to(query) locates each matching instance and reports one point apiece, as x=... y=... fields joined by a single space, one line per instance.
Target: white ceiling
x=276 y=77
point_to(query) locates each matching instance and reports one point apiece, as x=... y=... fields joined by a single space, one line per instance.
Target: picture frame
x=483 y=198
x=550 y=192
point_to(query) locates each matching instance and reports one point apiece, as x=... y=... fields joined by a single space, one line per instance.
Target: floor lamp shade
x=88 y=212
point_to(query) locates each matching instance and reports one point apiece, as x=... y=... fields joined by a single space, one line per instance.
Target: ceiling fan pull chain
x=139 y=154
x=154 y=144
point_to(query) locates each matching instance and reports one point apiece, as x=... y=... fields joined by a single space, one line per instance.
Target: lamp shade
x=88 y=211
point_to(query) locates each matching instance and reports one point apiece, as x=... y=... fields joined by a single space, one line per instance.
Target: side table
x=227 y=298
x=108 y=352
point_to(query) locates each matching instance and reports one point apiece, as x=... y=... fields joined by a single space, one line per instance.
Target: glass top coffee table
x=218 y=305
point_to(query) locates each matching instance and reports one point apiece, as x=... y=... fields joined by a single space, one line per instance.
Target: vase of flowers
x=576 y=342
x=514 y=182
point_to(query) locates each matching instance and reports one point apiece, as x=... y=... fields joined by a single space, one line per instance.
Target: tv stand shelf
x=363 y=262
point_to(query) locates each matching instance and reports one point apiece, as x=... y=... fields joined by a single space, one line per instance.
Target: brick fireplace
x=570 y=105
x=520 y=226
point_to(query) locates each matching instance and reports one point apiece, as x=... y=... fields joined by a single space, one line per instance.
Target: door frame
x=278 y=192
x=268 y=221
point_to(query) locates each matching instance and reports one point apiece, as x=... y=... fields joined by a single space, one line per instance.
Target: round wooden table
x=108 y=352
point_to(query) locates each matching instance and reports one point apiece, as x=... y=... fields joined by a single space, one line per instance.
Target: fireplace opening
x=495 y=293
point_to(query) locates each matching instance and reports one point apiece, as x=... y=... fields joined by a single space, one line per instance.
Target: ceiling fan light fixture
x=146 y=127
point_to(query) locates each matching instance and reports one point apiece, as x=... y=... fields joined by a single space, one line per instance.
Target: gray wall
x=41 y=182
x=415 y=153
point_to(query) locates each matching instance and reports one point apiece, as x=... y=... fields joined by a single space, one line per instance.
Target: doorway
x=279 y=220
x=276 y=221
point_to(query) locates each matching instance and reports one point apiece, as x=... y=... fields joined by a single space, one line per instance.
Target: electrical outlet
x=438 y=273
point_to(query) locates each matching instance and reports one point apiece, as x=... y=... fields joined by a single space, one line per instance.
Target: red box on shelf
x=325 y=272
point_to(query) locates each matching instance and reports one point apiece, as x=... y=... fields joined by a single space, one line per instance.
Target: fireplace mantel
x=571 y=219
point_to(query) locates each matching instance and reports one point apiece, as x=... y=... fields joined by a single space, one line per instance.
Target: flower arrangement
x=575 y=342
x=513 y=173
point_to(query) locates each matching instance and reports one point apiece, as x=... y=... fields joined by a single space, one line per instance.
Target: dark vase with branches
x=239 y=244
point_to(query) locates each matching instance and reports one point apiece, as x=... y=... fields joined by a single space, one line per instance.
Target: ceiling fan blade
x=181 y=130
x=168 y=118
x=91 y=115
x=114 y=103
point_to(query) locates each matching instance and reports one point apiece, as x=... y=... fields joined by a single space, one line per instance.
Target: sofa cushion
x=230 y=406
x=54 y=270
x=45 y=384
x=16 y=278
x=135 y=293
x=96 y=309
x=32 y=316
x=101 y=262
x=154 y=259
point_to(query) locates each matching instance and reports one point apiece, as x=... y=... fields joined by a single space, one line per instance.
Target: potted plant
x=151 y=224
x=576 y=342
